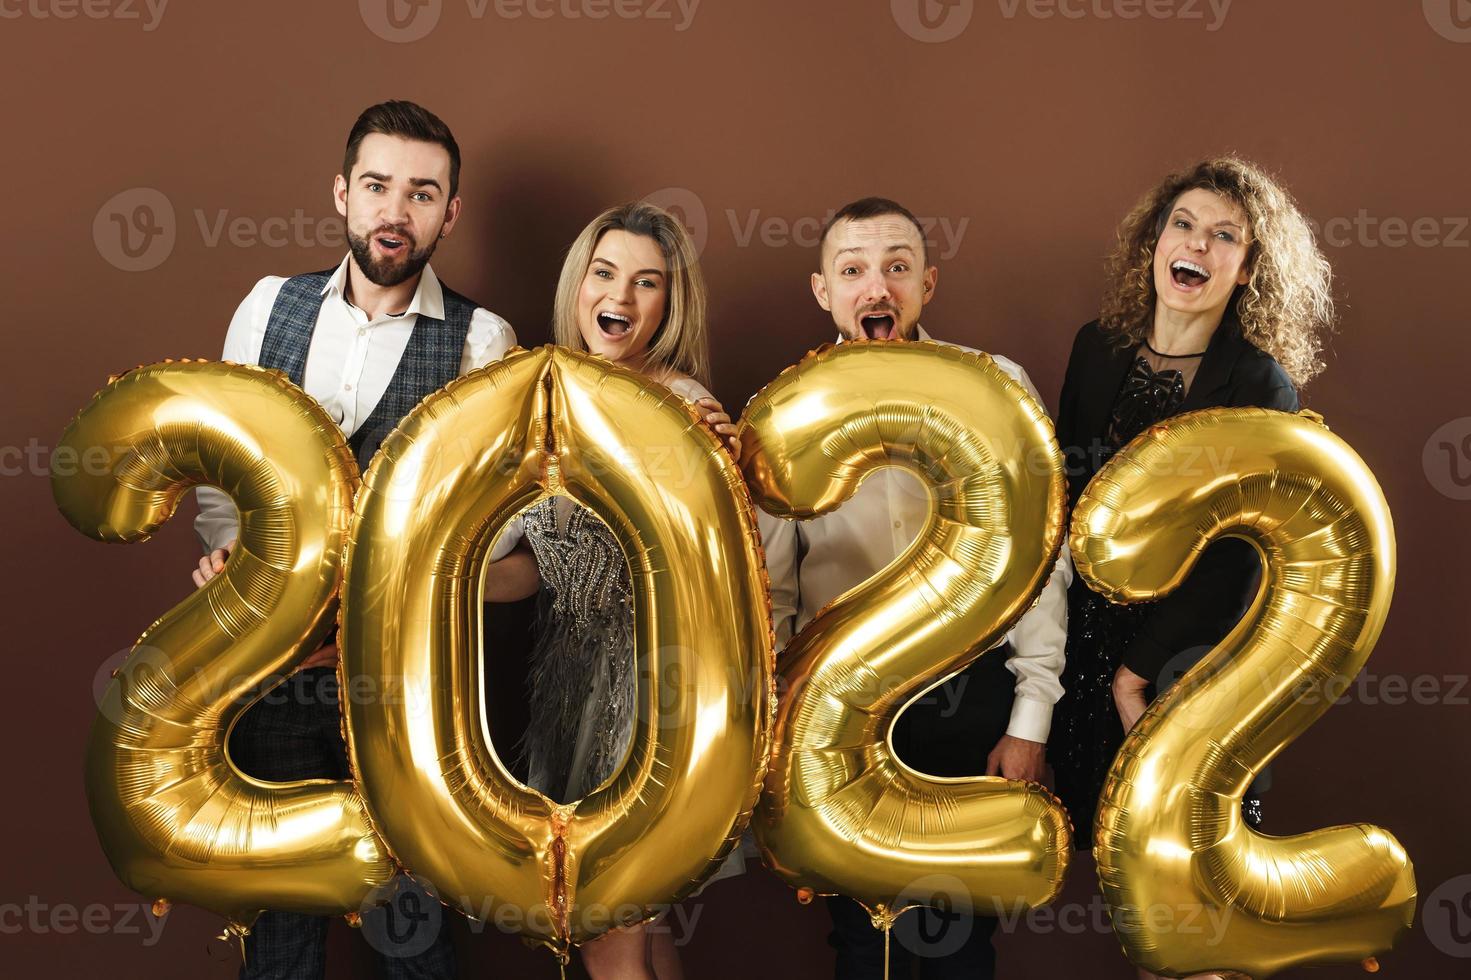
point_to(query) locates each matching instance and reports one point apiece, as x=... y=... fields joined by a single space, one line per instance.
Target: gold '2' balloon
x=841 y=813
x=1173 y=851
x=174 y=816
x=456 y=470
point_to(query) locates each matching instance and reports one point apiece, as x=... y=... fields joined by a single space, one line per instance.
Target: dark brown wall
x=1037 y=132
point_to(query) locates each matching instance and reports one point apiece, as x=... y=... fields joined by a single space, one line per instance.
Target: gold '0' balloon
x=440 y=489
x=174 y=816
x=841 y=813
x=1192 y=887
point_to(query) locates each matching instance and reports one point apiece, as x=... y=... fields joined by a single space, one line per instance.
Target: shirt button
x=349 y=388
x=362 y=331
x=896 y=525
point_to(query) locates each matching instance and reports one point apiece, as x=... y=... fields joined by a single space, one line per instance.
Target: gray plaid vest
x=430 y=361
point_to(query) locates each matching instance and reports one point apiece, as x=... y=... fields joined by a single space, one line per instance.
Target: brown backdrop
x=1031 y=125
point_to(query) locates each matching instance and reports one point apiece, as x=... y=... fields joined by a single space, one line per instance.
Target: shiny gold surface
x=465 y=462
x=1192 y=887
x=840 y=813
x=175 y=818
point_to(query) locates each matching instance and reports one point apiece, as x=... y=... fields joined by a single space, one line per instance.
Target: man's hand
x=720 y=423
x=1128 y=696
x=1016 y=758
x=212 y=564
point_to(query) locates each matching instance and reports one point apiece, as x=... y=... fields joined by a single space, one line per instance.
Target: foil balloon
x=840 y=812
x=457 y=469
x=177 y=821
x=1173 y=851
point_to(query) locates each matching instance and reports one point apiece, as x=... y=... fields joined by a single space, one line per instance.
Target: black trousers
x=294 y=732
x=949 y=732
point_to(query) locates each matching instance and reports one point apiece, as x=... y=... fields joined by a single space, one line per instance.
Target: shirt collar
x=428 y=298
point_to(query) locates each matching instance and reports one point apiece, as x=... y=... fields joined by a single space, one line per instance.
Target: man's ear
x=339 y=194
x=451 y=215
x=931 y=277
x=819 y=289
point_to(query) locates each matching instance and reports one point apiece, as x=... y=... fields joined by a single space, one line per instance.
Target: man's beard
x=386 y=272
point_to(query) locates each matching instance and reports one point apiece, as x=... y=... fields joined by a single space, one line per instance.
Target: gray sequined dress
x=582 y=683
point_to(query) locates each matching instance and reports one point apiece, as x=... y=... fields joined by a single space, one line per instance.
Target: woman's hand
x=1128 y=696
x=720 y=423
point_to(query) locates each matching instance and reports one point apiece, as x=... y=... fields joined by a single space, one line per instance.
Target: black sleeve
x=1074 y=453
x=1198 y=615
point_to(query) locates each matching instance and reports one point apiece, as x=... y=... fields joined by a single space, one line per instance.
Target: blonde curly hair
x=1286 y=306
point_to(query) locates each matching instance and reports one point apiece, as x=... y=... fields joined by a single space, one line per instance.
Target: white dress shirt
x=348 y=366
x=813 y=562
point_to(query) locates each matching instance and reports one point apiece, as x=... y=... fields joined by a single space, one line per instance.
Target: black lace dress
x=1086 y=731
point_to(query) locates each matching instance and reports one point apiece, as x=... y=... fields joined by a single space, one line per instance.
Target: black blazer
x=1233 y=373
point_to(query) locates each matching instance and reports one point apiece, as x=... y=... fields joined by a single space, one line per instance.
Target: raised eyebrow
x=374 y=175
x=425 y=182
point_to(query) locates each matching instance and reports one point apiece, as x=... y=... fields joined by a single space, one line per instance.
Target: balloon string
x=887 y=927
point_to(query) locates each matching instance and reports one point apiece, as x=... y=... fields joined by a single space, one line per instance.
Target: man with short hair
x=874 y=278
x=368 y=340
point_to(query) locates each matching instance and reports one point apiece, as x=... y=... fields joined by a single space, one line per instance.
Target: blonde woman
x=1217 y=296
x=630 y=291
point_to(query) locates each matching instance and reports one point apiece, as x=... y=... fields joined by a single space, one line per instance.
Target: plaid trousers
x=294 y=732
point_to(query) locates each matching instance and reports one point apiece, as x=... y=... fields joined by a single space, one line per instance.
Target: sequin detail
x=582 y=687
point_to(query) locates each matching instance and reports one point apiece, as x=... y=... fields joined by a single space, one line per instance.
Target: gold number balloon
x=175 y=818
x=1173 y=851
x=457 y=469
x=841 y=813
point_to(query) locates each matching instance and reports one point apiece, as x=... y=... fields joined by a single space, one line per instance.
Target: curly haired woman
x=1217 y=296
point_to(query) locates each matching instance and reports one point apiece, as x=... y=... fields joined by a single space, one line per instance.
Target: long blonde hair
x=1286 y=306
x=681 y=341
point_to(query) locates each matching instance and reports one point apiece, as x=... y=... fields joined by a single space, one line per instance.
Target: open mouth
x=614 y=325
x=878 y=326
x=392 y=244
x=1188 y=275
